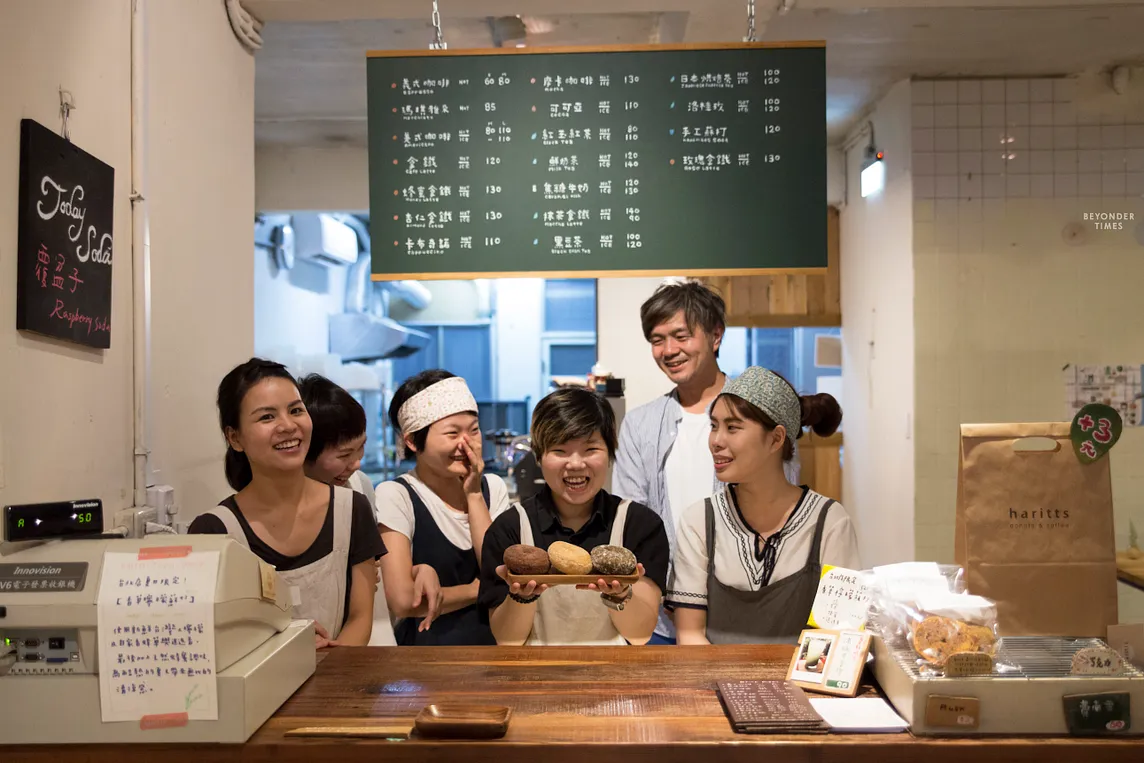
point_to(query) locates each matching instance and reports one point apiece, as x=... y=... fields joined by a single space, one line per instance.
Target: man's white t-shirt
x=690 y=469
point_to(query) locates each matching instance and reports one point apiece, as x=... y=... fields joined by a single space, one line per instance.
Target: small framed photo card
x=829 y=662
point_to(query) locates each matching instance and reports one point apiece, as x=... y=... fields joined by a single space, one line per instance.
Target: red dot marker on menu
x=534 y=108
x=395 y=217
x=395 y=243
x=395 y=192
x=395 y=161
x=672 y=161
x=394 y=109
x=393 y=84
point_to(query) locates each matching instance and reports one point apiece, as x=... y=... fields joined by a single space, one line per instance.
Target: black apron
x=454 y=567
x=774 y=614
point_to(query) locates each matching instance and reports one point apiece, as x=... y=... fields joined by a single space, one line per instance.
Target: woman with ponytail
x=749 y=558
x=321 y=538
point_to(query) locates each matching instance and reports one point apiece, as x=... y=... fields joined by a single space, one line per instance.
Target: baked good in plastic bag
x=922 y=607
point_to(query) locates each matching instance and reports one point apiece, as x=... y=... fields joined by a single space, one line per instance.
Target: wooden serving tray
x=558 y=579
x=463 y=721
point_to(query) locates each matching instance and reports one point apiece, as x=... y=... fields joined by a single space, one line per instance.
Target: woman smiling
x=749 y=558
x=574 y=439
x=321 y=538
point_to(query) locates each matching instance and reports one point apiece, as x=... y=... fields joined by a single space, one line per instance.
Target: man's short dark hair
x=701 y=305
x=337 y=417
x=571 y=413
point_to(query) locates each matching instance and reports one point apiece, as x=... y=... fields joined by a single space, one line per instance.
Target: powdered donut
x=613 y=560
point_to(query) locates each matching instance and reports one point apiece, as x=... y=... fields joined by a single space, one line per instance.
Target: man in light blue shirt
x=663 y=460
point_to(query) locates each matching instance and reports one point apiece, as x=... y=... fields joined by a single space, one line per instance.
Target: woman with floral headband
x=438 y=513
x=749 y=558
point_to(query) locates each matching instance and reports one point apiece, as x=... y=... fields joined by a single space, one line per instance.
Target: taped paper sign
x=842 y=601
x=156 y=636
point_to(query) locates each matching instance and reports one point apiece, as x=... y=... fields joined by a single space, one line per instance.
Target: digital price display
x=59 y=519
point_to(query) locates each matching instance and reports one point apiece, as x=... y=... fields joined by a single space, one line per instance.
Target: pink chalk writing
x=72 y=317
x=1103 y=431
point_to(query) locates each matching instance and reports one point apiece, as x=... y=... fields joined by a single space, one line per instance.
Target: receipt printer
x=51 y=612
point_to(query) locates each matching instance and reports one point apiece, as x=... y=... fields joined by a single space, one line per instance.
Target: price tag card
x=944 y=712
x=1098 y=714
x=269 y=582
x=1097 y=661
x=842 y=601
x=965 y=664
x=829 y=662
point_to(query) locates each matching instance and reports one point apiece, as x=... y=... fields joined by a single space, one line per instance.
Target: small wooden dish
x=463 y=721
x=558 y=579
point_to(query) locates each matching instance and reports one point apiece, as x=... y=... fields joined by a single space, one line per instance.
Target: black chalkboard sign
x=686 y=160
x=67 y=203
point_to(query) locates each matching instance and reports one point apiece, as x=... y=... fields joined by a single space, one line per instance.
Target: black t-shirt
x=365 y=540
x=644 y=536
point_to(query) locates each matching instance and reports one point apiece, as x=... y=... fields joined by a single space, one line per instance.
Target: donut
x=613 y=560
x=569 y=559
x=526 y=560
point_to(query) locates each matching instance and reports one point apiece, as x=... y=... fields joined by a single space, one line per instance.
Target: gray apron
x=774 y=614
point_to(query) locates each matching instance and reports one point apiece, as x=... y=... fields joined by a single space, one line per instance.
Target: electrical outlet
x=135 y=520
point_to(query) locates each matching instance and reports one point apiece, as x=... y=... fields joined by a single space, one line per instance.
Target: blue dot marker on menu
x=534 y=161
x=673 y=78
x=671 y=131
x=535 y=241
x=534 y=136
x=673 y=104
x=535 y=215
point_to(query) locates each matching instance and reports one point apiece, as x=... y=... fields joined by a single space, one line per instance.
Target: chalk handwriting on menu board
x=672 y=159
x=156 y=635
x=63 y=286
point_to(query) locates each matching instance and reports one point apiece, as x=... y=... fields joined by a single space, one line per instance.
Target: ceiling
x=311 y=85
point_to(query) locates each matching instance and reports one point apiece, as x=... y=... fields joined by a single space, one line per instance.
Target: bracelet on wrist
x=523 y=599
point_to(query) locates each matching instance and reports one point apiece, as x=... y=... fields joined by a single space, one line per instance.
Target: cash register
x=49 y=644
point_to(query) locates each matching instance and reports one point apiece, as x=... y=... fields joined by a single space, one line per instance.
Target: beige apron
x=567 y=616
x=318 y=590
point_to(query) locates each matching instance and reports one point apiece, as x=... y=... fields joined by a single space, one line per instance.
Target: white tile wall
x=997 y=163
x=998 y=138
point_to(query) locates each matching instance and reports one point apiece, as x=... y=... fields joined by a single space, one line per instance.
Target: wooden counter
x=582 y=705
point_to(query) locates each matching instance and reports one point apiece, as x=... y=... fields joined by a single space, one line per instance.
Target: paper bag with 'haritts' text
x=1034 y=530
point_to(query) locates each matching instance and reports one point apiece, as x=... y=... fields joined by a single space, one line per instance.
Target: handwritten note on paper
x=156 y=636
x=841 y=602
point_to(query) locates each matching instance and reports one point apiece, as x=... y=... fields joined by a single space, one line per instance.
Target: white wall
x=1003 y=301
x=878 y=342
x=332 y=179
x=620 y=342
x=292 y=307
x=65 y=412
x=200 y=160
x=520 y=308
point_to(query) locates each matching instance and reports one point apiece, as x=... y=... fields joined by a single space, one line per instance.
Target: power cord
x=154 y=528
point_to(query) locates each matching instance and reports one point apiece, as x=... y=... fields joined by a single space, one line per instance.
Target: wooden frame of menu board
x=789 y=196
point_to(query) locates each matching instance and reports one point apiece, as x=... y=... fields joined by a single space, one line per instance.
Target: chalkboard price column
x=664 y=160
x=64 y=244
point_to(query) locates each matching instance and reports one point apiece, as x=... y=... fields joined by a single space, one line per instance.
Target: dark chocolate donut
x=526 y=560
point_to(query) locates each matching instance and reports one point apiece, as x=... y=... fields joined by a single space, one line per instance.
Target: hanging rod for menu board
x=618 y=160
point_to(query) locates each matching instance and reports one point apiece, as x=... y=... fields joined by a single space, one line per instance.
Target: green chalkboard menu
x=683 y=160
